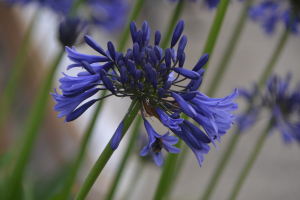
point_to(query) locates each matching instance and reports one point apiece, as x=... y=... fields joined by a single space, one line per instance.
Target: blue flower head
x=151 y=75
x=110 y=15
x=269 y=12
x=282 y=104
x=210 y=3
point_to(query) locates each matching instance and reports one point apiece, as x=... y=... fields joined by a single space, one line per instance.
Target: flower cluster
x=210 y=3
x=269 y=12
x=146 y=74
x=283 y=104
x=110 y=15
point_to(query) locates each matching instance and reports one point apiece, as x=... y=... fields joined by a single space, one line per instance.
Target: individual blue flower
x=269 y=12
x=156 y=142
x=152 y=76
x=282 y=103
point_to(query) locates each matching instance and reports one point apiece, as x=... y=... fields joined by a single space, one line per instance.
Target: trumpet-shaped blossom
x=282 y=104
x=269 y=12
x=152 y=76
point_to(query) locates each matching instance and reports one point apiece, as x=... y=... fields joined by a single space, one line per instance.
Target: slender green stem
x=136 y=10
x=137 y=175
x=74 y=169
x=31 y=128
x=223 y=64
x=274 y=58
x=173 y=21
x=167 y=174
x=215 y=28
x=243 y=175
x=17 y=70
x=130 y=146
x=104 y=157
x=221 y=165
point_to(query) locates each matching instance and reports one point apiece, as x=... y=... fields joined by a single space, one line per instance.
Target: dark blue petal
x=92 y=43
x=157 y=52
x=140 y=86
x=123 y=73
x=189 y=96
x=157 y=37
x=186 y=108
x=153 y=56
x=196 y=85
x=191 y=138
x=102 y=73
x=79 y=111
x=187 y=73
x=167 y=85
x=161 y=93
x=136 y=52
x=115 y=141
x=181 y=46
x=111 y=50
x=177 y=32
x=145 y=28
x=88 y=67
x=153 y=78
x=202 y=61
x=131 y=69
x=200 y=135
x=108 y=84
x=181 y=60
x=133 y=31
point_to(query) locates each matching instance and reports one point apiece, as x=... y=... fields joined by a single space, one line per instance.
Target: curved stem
x=74 y=169
x=32 y=125
x=135 y=12
x=17 y=70
x=130 y=146
x=223 y=64
x=104 y=157
x=243 y=175
x=215 y=29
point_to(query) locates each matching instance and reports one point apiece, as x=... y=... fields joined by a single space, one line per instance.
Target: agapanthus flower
x=210 y=3
x=282 y=105
x=110 y=15
x=152 y=76
x=270 y=12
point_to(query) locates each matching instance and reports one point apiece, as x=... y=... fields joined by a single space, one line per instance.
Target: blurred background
x=275 y=174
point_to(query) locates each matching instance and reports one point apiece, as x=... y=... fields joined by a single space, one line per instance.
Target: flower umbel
x=283 y=106
x=147 y=73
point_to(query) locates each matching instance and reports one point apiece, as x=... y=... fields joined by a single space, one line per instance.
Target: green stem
x=17 y=70
x=132 y=185
x=222 y=66
x=174 y=19
x=130 y=146
x=73 y=172
x=250 y=162
x=104 y=157
x=215 y=29
x=31 y=128
x=167 y=174
x=274 y=58
x=136 y=10
x=221 y=165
